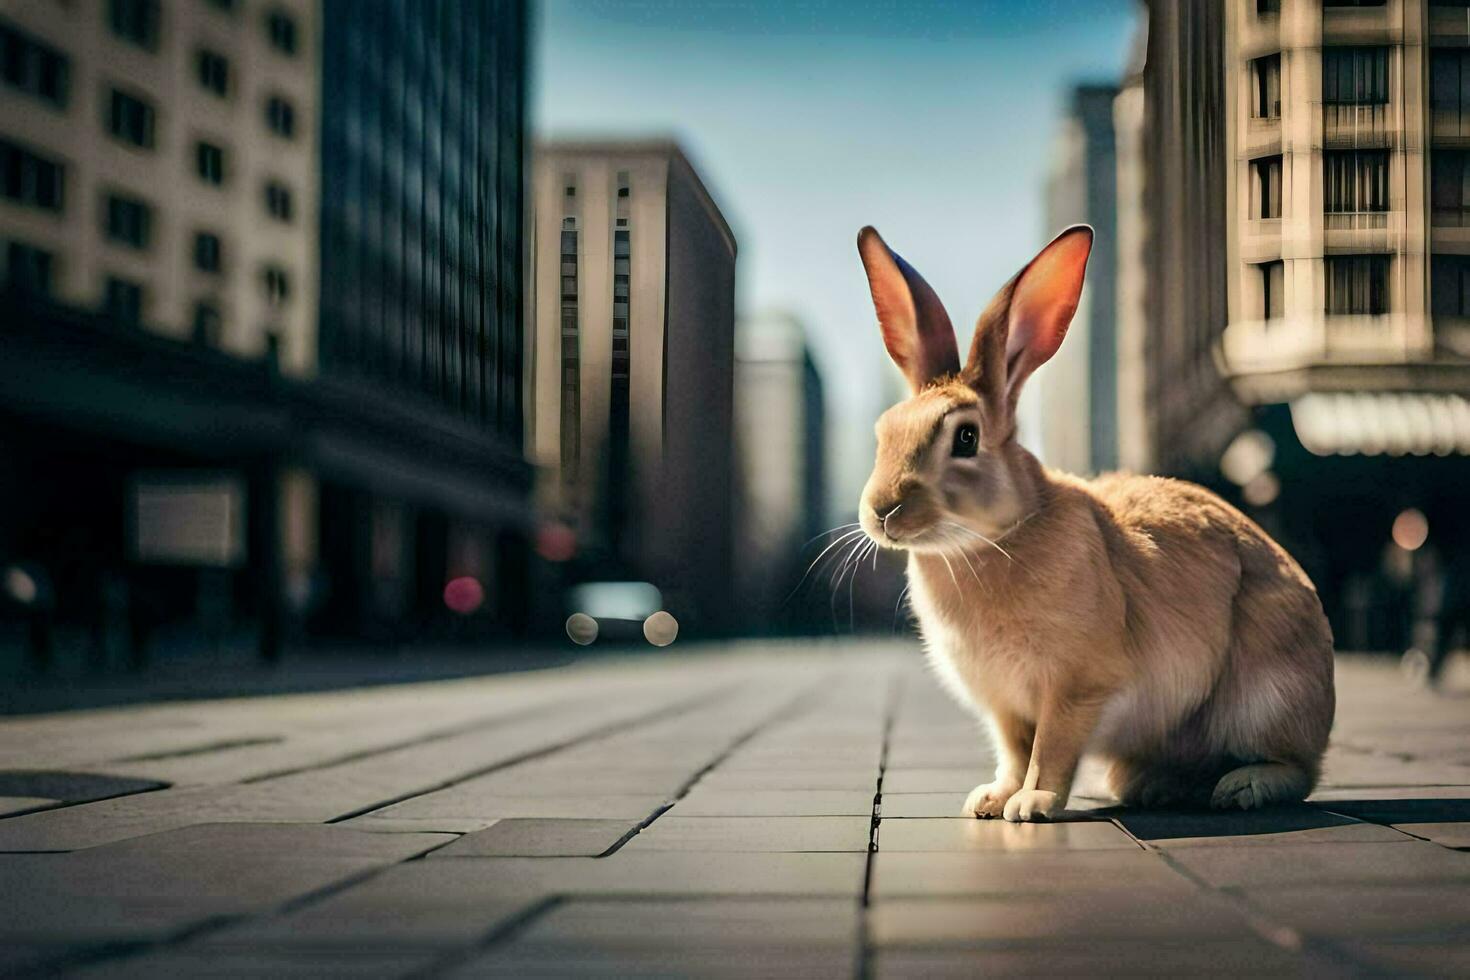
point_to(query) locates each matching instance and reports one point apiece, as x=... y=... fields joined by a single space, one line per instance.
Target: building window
x=129 y=221
x=1353 y=3
x=209 y=162
x=29 y=179
x=278 y=200
x=280 y=27
x=227 y=6
x=277 y=285
x=208 y=327
x=135 y=21
x=571 y=391
x=1355 y=76
x=1357 y=285
x=1266 y=187
x=130 y=119
x=208 y=251
x=1449 y=187
x=122 y=299
x=571 y=190
x=28 y=270
x=1266 y=87
x=213 y=70
x=1268 y=8
x=1449 y=285
x=1273 y=289
x=1449 y=82
x=280 y=116
x=1356 y=181
x=33 y=67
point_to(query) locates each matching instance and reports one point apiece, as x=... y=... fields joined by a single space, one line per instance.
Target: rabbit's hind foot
x=1261 y=784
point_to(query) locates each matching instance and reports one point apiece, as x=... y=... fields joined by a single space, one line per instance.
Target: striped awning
x=1373 y=424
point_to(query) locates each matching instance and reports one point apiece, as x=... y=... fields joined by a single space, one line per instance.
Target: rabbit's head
x=949 y=471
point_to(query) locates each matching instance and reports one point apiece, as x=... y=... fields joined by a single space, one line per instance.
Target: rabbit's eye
x=966 y=440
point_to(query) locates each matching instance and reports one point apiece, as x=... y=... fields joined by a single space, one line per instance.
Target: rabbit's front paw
x=989 y=799
x=1031 y=805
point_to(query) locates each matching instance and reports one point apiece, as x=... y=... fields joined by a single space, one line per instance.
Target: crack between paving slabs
x=660 y=714
x=791 y=707
x=864 y=966
x=119 y=951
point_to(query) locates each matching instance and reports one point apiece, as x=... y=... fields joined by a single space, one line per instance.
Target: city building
x=160 y=163
x=206 y=438
x=422 y=251
x=1302 y=202
x=1077 y=391
x=631 y=411
x=779 y=421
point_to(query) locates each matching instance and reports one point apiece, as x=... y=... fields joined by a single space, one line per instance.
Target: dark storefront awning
x=76 y=370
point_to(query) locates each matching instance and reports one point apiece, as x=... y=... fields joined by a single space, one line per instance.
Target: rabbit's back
x=1226 y=624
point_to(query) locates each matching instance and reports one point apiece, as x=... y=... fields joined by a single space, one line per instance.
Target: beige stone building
x=160 y=163
x=1294 y=298
x=631 y=399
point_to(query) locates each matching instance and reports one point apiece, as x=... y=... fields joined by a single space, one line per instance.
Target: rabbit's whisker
x=819 y=557
x=977 y=534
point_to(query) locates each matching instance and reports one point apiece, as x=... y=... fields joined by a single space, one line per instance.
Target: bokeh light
x=464 y=594
x=660 y=629
x=582 y=628
x=1410 y=529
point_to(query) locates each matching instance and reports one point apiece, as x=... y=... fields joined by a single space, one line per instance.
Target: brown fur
x=1140 y=618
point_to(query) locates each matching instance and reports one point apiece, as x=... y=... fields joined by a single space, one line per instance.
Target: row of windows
x=33 y=66
x=31 y=179
x=1354 y=181
x=1357 y=285
x=1359 y=76
x=132 y=120
x=1350 y=76
x=571 y=393
x=1266 y=8
x=138 y=22
x=32 y=270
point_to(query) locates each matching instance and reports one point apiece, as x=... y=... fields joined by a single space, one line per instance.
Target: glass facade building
x=422 y=203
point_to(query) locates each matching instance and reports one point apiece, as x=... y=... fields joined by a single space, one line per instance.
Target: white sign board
x=188 y=519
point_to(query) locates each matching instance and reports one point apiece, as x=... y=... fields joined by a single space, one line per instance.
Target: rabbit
x=1138 y=618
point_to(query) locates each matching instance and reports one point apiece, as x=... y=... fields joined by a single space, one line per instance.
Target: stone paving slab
x=769 y=835
x=953 y=834
x=951 y=874
x=536 y=837
x=716 y=922
x=1059 y=917
x=685 y=961
x=1141 y=958
x=155 y=887
x=1403 y=911
x=776 y=803
x=732 y=798
x=1300 y=864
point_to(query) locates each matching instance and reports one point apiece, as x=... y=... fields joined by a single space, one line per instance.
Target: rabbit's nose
x=884 y=516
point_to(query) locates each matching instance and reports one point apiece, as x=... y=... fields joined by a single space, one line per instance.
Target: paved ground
x=777 y=811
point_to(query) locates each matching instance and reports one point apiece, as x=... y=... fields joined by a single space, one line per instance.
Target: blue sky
x=810 y=118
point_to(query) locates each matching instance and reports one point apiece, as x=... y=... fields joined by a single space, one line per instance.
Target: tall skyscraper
x=780 y=422
x=631 y=410
x=422 y=214
x=1078 y=396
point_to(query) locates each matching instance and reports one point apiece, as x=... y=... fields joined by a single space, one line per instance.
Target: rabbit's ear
x=916 y=329
x=1025 y=323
